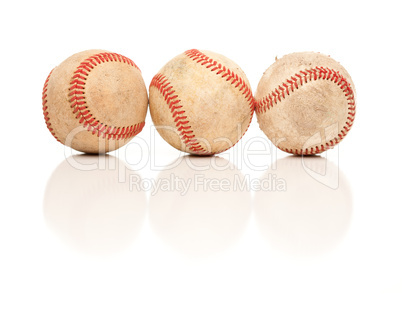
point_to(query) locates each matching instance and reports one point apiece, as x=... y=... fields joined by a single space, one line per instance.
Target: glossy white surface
x=145 y=229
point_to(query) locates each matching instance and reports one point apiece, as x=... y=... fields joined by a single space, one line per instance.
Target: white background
x=81 y=241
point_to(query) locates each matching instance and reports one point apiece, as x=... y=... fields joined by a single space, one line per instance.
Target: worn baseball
x=95 y=101
x=305 y=103
x=201 y=102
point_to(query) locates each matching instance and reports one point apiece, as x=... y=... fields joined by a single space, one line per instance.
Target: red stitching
x=298 y=80
x=45 y=107
x=78 y=103
x=233 y=78
x=161 y=83
x=187 y=135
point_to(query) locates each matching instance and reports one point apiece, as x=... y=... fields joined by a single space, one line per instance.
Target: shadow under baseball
x=313 y=212
x=206 y=215
x=89 y=206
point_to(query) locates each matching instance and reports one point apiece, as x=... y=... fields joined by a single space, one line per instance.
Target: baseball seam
x=297 y=80
x=78 y=103
x=44 y=107
x=164 y=87
x=230 y=76
x=224 y=72
x=161 y=83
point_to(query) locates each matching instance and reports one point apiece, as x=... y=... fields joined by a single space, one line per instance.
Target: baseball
x=95 y=101
x=305 y=103
x=201 y=102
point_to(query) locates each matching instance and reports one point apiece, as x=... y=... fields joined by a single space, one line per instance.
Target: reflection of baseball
x=305 y=103
x=89 y=205
x=198 y=206
x=201 y=102
x=95 y=101
x=309 y=217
